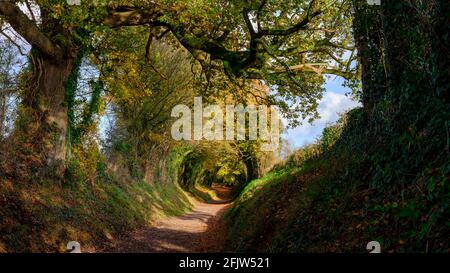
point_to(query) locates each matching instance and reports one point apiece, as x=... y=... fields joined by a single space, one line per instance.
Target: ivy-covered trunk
x=368 y=32
x=408 y=60
x=45 y=119
x=441 y=47
x=413 y=110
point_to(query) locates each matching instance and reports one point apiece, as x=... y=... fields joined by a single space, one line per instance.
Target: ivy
x=70 y=94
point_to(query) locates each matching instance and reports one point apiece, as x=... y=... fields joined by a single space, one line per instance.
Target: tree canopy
x=289 y=45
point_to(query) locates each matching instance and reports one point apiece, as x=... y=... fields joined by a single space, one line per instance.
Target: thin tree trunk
x=252 y=166
x=2 y=115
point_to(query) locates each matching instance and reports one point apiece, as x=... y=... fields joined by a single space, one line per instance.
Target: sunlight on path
x=196 y=231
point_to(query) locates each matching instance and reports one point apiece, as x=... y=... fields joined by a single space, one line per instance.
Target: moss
x=93 y=206
x=327 y=198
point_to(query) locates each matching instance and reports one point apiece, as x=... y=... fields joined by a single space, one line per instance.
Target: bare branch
x=30 y=10
x=248 y=22
x=147 y=55
x=19 y=48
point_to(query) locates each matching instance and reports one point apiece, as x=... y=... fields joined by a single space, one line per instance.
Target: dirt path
x=196 y=231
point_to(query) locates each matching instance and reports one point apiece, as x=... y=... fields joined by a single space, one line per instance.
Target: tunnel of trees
x=85 y=119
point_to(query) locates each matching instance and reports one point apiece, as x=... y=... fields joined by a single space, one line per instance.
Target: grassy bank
x=92 y=207
x=332 y=197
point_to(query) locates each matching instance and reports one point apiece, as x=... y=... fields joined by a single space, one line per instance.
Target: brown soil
x=197 y=231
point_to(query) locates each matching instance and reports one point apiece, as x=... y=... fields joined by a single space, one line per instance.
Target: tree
x=401 y=46
x=279 y=42
x=143 y=91
x=368 y=32
x=8 y=83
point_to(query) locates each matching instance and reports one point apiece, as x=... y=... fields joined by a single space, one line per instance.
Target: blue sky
x=334 y=101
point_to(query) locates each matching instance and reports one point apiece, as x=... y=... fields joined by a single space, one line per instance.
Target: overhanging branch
x=28 y=30
x=310 y=14
x=134 y=16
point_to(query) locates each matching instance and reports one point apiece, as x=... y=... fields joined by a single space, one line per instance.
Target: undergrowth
x=95 y=204
x=331 y=197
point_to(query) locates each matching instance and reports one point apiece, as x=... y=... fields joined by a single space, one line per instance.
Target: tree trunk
x=44 y=101
x=2 y=115
x=251 y=163
x=411 y=83
x=368 y=31
x=441 y=47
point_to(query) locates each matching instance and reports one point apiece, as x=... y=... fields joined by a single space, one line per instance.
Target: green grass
x=325 y=198
x=43 y=216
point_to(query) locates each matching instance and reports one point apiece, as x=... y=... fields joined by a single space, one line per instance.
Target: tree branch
x=133 y=16
x=258 y=13
x=19 y=48
x=29 y=31
x=295 y=28
x=248 y=22
x=235 y=62
x=30 y=10
x=319 y=69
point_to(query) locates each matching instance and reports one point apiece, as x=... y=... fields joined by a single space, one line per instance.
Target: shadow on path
x=197 y=231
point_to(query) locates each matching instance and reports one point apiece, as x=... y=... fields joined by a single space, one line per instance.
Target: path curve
x=197 y=231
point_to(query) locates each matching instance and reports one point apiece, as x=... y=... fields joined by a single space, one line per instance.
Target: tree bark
x=2 y=115
x=368 y=31
x=44 y=101
x=441 y=47
x=410 y=66
x=251 y=163
x=43 y=119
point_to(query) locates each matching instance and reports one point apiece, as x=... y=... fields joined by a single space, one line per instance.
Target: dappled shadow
x=196 y=215
x=191 y=232
x=158 y=240
x=225 y=194
x=197 y=231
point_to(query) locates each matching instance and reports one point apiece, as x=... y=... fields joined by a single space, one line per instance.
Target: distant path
x=197 y=231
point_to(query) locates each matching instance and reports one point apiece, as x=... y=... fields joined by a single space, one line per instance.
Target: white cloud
x=330 y=106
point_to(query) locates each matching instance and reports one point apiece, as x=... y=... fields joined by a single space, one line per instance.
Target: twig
x=13 y=42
